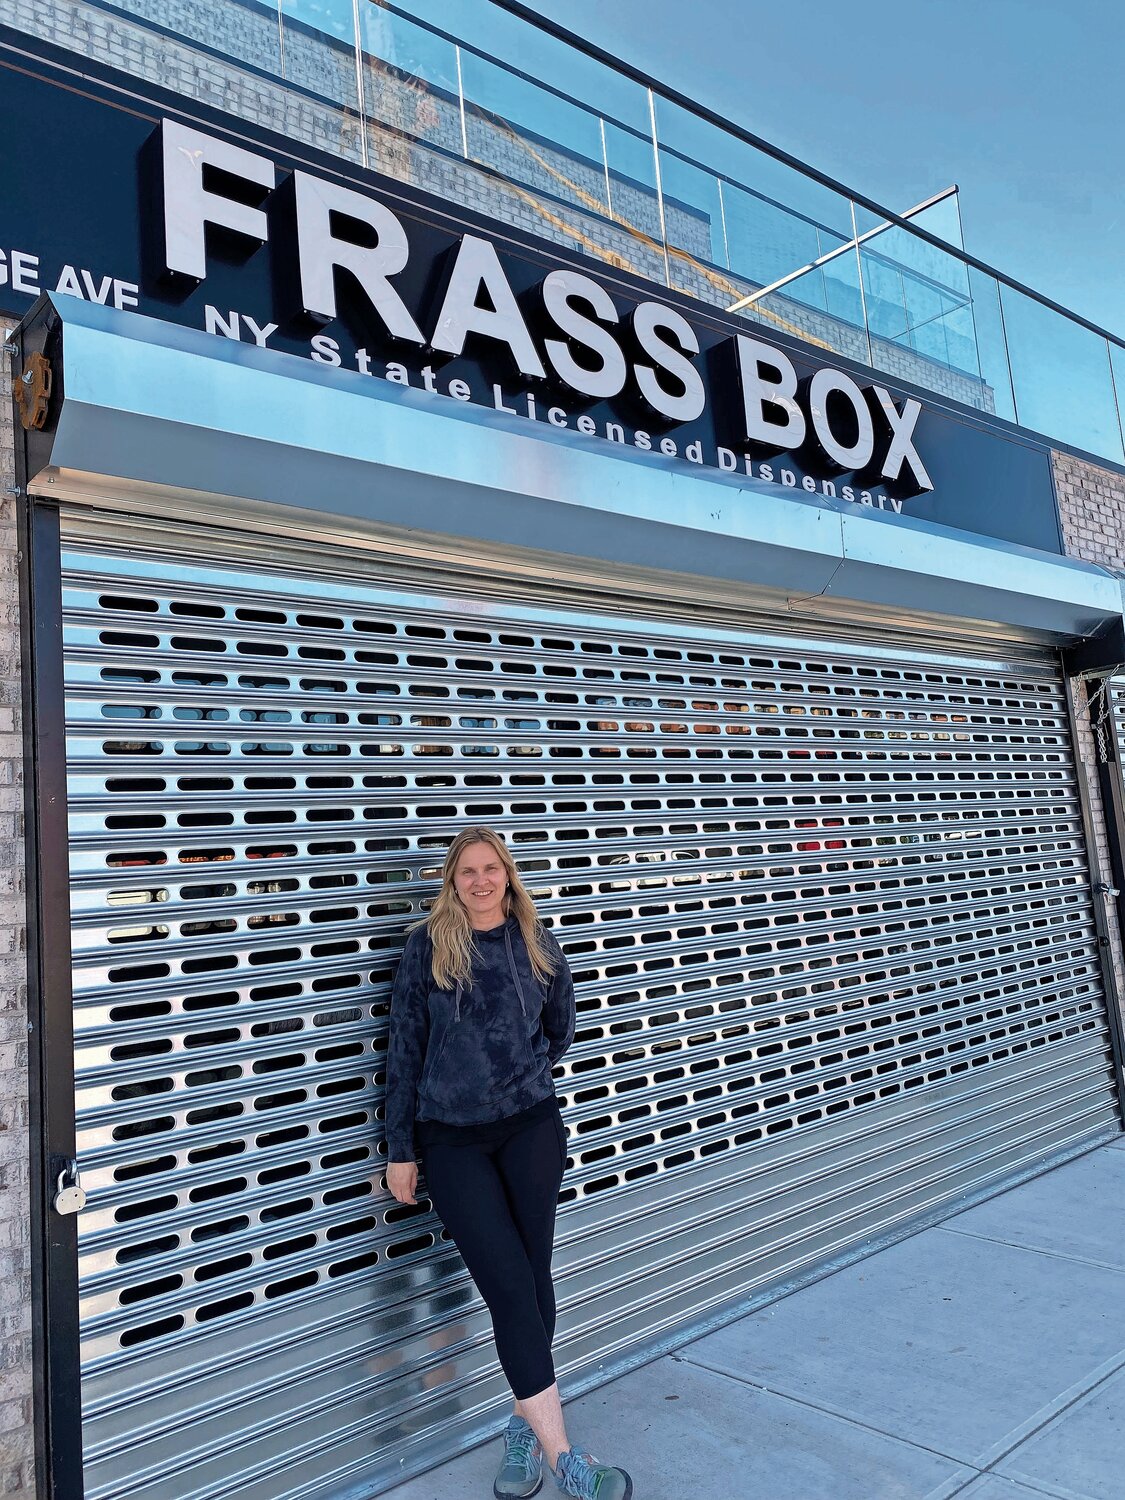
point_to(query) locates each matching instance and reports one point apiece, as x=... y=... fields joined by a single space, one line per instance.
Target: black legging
x=497 y=1198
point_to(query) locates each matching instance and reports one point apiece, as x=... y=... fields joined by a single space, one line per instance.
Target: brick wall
x=16 y=1439
x=1092 y=511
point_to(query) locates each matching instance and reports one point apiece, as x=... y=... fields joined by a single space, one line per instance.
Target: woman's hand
x=402 y=1180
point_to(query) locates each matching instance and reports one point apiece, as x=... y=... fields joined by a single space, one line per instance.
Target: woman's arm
x=406 y=1045
x=558 y=1010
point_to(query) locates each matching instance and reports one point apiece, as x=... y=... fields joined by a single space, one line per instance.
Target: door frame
x=54 y=1236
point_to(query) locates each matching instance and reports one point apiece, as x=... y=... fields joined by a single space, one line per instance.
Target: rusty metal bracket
x=33 y=392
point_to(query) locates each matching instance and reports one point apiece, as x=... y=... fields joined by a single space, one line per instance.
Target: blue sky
x=1017 y=101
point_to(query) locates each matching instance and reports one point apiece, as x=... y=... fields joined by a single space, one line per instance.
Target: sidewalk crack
x=993 y=1239
x=827 y=1411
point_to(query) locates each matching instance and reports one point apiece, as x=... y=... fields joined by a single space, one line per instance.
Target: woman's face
x=480 y=880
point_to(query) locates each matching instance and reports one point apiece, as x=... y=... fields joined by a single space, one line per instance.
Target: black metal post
x=1109 y=778
x=58 y=1408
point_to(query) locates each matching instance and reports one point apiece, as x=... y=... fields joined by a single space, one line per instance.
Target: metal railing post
x=359 y=88
x=723 y=217
x=461 y=106
x=862 y=293
x=605 y=164
x=659 y=188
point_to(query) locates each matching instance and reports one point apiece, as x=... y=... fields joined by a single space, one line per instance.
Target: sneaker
x=521 y=1471
x=581 y=1475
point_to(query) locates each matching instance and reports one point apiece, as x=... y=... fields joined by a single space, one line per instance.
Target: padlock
x=70 y=1198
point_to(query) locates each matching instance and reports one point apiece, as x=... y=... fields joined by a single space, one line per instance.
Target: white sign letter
x=902 y=450
x=261 y=333
x=230 y=327
x=824 y=384
x=25 y=273
x=189 y=206
x=321 y=251
x=778 y=392
x=649 y=321
x=560 y=290
x=478 y=268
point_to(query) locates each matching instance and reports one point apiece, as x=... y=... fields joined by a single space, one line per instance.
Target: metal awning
x=203 y=425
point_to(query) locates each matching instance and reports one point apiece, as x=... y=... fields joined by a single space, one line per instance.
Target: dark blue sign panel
x=133 y=204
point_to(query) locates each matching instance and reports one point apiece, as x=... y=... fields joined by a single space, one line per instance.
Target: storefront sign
x=586 y=349
x=175 y=219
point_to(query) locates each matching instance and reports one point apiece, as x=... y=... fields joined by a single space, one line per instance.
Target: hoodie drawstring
x=512 y=966
x=515 y=977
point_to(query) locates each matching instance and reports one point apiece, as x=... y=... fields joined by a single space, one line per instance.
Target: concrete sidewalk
x=984 y=1358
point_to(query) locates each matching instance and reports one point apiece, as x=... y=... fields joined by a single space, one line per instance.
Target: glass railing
x=480 y=103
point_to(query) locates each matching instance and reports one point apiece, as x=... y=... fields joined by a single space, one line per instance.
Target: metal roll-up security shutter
x=826 y=901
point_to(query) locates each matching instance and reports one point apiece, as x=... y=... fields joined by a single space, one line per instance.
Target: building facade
x=377 y=466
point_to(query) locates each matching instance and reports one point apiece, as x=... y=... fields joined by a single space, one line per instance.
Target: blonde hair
x=451 y=932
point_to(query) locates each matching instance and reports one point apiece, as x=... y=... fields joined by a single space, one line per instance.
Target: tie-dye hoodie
x=471 y=1056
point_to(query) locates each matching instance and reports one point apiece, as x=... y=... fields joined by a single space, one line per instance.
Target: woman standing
x=483 y=1007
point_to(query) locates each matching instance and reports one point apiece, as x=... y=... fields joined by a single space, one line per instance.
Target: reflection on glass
x=695 y=220
x=919 y=311
x=992 y=349
x=682 y=133
x=769 y=242
x=1061 y=376
x=497 y=35
x=636 y=244
x=824 y=307
x=333 y=18
x=941 y=219
x=588 y=181
x=532 y=136
x=866 y=220
x=1117 y=366
x=254 y=40
x=410 y=95
x=737 y=220
x=318 y=48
